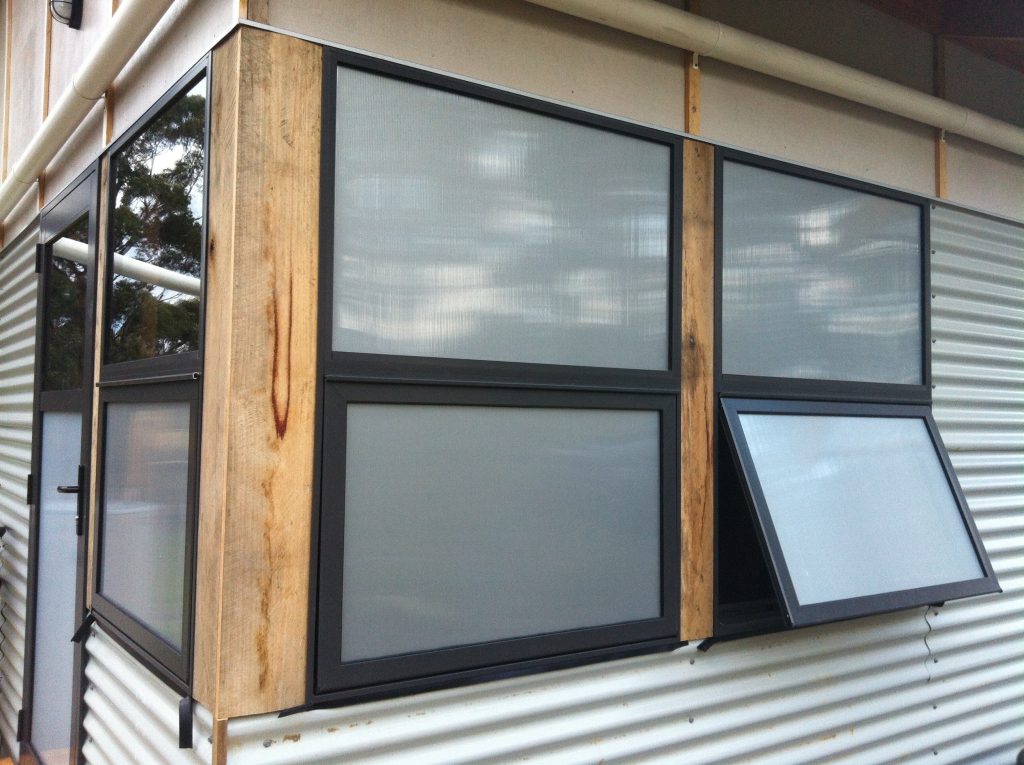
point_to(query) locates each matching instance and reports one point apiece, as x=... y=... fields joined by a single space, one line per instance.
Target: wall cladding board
x=17 y=358
x=766 y=115
x=69 y=47
x=978 y=82
x=81 y=149
x=513 y=44
x=188 y=30
x=985 y=178
x=863 y=37
x=27 y=56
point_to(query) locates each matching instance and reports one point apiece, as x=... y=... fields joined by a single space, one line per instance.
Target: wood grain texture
x=99 y=326
x=259 y=376
x=257 y=10
x=698 y=394
x=691 y=101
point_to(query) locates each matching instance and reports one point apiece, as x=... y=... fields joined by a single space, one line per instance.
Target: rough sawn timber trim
x=698 y=394
x=259 y=377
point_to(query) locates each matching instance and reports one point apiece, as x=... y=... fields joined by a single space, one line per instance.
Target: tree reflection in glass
x=65 y=309
x=156 y=234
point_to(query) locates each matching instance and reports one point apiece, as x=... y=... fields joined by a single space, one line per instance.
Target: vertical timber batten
x=259 y=378
x=698 y=408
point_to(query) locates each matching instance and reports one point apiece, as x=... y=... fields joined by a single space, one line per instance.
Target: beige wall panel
x=81 y=150
x=513 y=44
x=768 y=116
x=186 y=33
x=986 y=178
x=983 y=84
x=27 y=51
x=22 y=215
x=69 y=47
x=845 y=31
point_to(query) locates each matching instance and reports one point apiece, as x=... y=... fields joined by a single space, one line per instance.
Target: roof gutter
x=132 y=23
x=688 y=31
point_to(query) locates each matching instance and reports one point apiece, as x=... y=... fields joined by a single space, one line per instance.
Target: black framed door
x=59 y=492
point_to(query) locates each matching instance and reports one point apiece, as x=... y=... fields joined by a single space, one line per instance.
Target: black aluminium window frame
x=82 y=194
x=385 y=378
x=792 y=395
x=812 y=389
x=174 y=377
x=180 y=363
x=803 y=615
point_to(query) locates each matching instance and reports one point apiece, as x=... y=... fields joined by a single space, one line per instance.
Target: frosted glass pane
x=468 y=524
x=144 y=512
x=818 y=281
x=55 y=594
x=861 y=505
x=467 y=229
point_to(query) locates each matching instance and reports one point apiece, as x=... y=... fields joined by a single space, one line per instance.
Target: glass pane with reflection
x=861 y=505
x=156 y=234
x=68 y=264
x=818 y=281
x=470 y=229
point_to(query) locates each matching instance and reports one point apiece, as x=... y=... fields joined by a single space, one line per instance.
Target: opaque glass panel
x=468 y=229
x=861 y=505
x=55 y=587
x=65 y=307
x=156 y=236
x=468 y=524
x=144 y=510
x=818 y=281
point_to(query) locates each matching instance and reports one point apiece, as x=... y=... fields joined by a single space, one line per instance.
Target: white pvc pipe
x=78 y=252
x=688 y=31
x=132 y=23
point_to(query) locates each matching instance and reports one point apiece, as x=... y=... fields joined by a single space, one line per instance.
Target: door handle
x=68 y=489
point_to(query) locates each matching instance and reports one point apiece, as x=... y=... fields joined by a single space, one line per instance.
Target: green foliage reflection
x=157 y=219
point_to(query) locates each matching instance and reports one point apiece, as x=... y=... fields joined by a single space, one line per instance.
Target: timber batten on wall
x=259 y=375
x=698 y=403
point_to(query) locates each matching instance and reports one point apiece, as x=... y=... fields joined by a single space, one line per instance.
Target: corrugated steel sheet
x=131 y=716
x=17 y=357
x=938 y=685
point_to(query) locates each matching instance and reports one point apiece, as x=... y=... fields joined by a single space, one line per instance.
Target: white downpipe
x=680 y=29
x=78 y=252
x=132 y=23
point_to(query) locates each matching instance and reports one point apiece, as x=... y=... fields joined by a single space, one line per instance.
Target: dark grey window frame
x=378 y=378
x=734 y=467
x=171 y=378
x=81 y=194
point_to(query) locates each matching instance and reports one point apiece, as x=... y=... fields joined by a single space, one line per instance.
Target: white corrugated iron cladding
x=17 y=359
x=936 y=685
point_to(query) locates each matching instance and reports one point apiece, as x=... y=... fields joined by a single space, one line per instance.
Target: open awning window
x=856 y=507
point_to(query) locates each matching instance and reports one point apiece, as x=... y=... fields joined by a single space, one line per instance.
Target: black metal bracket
x=83 y=628
x=20 y=733
x=40 y=254
x=185 y=707
x=705 y=645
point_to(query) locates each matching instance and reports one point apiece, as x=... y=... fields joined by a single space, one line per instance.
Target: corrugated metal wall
x=939 y=685
x=17 y=357
x=131 y=716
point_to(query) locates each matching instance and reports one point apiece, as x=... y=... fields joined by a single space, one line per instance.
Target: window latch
x=77 y=489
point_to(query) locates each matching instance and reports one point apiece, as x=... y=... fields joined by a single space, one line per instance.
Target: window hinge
x=40 y=253
x=29 y=480
x=20 y=735
x=185 y=722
